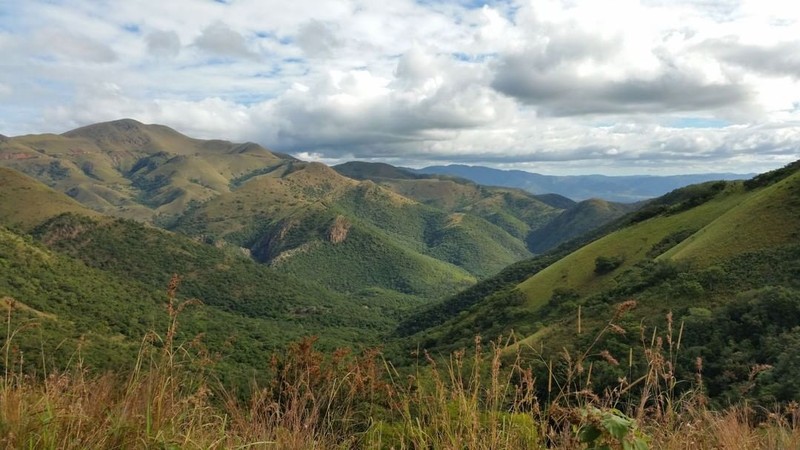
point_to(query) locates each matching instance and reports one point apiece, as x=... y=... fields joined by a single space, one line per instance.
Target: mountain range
x=371 y=226
x=626 y=189
x=94 y=223
x=720 y=261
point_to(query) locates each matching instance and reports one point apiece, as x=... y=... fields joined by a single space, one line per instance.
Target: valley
x=261 y=250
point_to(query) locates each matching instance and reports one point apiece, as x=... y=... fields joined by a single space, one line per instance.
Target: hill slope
x=575 y=221
x=78 y=273
x=24 y=202
x=542 y=222
x=702 y=253
x=129 y=169
x=307 y=220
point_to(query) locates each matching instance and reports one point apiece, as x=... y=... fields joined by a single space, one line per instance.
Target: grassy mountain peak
x=133 y=170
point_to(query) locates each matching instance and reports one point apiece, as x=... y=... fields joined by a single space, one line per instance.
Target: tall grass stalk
x=481 y=399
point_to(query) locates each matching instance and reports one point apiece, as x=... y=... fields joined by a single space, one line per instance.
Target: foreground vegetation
x=485 y=398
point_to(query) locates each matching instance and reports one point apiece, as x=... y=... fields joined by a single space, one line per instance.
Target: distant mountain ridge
x=627 y=189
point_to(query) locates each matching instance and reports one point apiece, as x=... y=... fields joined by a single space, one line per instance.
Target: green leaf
x=616 y=426
x=635 y=444
x=588 y=433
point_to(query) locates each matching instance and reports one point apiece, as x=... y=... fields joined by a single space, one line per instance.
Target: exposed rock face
x=270 y=245
x=338 y=230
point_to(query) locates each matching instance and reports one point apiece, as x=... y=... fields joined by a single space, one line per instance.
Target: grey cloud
x=779 y=59
x=163 y=44
x=431 y=98
x=219 y=39
x=567 y=44
x=561 y=91
x=76 y=46
x=398 y=116
x=317 y=39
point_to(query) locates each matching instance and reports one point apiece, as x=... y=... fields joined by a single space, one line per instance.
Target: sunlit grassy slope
x=133 y=170
x=697 y=247
x=764 y=218
x=576 y=270
x=24 y=202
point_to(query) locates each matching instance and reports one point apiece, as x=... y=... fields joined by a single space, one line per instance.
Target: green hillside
x=541 y=222
x=24 y=202
x=576 y=221
x=703 y=253
x=630 y=245
x=307 y=220
x=515 y=211
x=98 y=283
x=129 y=169
x=384 y=229
x=102 y=288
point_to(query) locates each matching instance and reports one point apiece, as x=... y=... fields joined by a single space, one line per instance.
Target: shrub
x=607 y=264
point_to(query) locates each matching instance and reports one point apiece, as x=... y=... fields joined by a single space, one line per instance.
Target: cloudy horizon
x=560 y=87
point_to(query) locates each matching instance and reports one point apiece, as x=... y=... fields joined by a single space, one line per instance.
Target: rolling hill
x=514 y=210
x=381 y=230
x=543 y=222
x=97 y=283
x=308 y=220
x=700 y=253
x=25 y=203
x=129 y=169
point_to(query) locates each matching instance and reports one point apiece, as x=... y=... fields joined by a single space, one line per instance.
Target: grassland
x=168 y=398
x=39 y=202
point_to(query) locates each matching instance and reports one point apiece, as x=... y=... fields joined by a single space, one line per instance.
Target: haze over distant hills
x=625 y=189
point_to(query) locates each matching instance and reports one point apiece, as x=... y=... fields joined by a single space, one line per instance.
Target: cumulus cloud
x=428 y=98
x=780 y=59
x=567 y=84
x=221 y=40
x=317 y=39
x=567 y=93
x=74 y=46
x=163 y=44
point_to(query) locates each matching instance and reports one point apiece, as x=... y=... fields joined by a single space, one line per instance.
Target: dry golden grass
x=480 y=400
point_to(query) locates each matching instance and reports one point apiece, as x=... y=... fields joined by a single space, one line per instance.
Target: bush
x=607 y=264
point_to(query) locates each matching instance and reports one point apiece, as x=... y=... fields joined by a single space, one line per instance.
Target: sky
x=558 y=87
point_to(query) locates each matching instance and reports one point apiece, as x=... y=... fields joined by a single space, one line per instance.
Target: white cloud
x=73 y=46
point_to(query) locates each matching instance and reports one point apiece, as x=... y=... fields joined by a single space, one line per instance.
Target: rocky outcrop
x=337 y=233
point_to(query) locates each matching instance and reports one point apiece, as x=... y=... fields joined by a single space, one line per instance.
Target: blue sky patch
x=699 y=122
